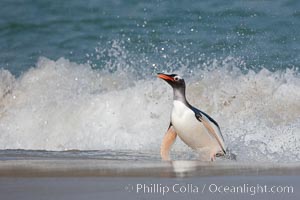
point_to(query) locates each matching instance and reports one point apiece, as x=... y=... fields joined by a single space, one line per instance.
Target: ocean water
x=80 y=76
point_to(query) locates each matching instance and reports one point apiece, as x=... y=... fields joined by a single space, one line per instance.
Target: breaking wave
x=61 y=105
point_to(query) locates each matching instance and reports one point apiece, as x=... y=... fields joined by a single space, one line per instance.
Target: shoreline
x=123 y=168
x=94 y=179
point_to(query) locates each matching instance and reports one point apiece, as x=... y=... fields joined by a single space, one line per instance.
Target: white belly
x=191 y=131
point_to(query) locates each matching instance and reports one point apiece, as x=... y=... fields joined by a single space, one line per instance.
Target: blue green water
x=80 y=75
x=167 y=33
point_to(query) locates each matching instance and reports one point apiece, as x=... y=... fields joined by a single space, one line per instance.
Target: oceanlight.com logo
x=178 y=188
x=250 y=189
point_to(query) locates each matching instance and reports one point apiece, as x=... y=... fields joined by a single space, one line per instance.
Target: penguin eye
x=176 y=78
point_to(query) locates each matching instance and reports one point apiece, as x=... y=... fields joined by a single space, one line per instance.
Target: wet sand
x=73 y=179
x=100 y=188
x=123 y=168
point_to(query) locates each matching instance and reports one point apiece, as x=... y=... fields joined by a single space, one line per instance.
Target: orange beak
x=165 y=77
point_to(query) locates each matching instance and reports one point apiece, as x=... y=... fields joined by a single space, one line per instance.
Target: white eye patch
x=176 y=78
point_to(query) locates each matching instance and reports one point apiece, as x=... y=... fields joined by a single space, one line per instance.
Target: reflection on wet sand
x=120 y=168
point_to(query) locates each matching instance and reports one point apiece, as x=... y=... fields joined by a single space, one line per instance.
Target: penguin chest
x=188 y=128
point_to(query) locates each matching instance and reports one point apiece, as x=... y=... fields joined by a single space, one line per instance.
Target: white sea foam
x=60 y=105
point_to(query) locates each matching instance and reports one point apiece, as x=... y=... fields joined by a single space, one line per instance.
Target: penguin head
x=173 y=79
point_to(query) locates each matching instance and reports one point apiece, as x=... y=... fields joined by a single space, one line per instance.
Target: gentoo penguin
x=194 y=127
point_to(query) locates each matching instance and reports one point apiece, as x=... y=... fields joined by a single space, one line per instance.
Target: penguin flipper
x=167 y=143
x=217 y=135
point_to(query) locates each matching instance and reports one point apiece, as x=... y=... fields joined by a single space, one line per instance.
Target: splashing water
x=61 y=105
